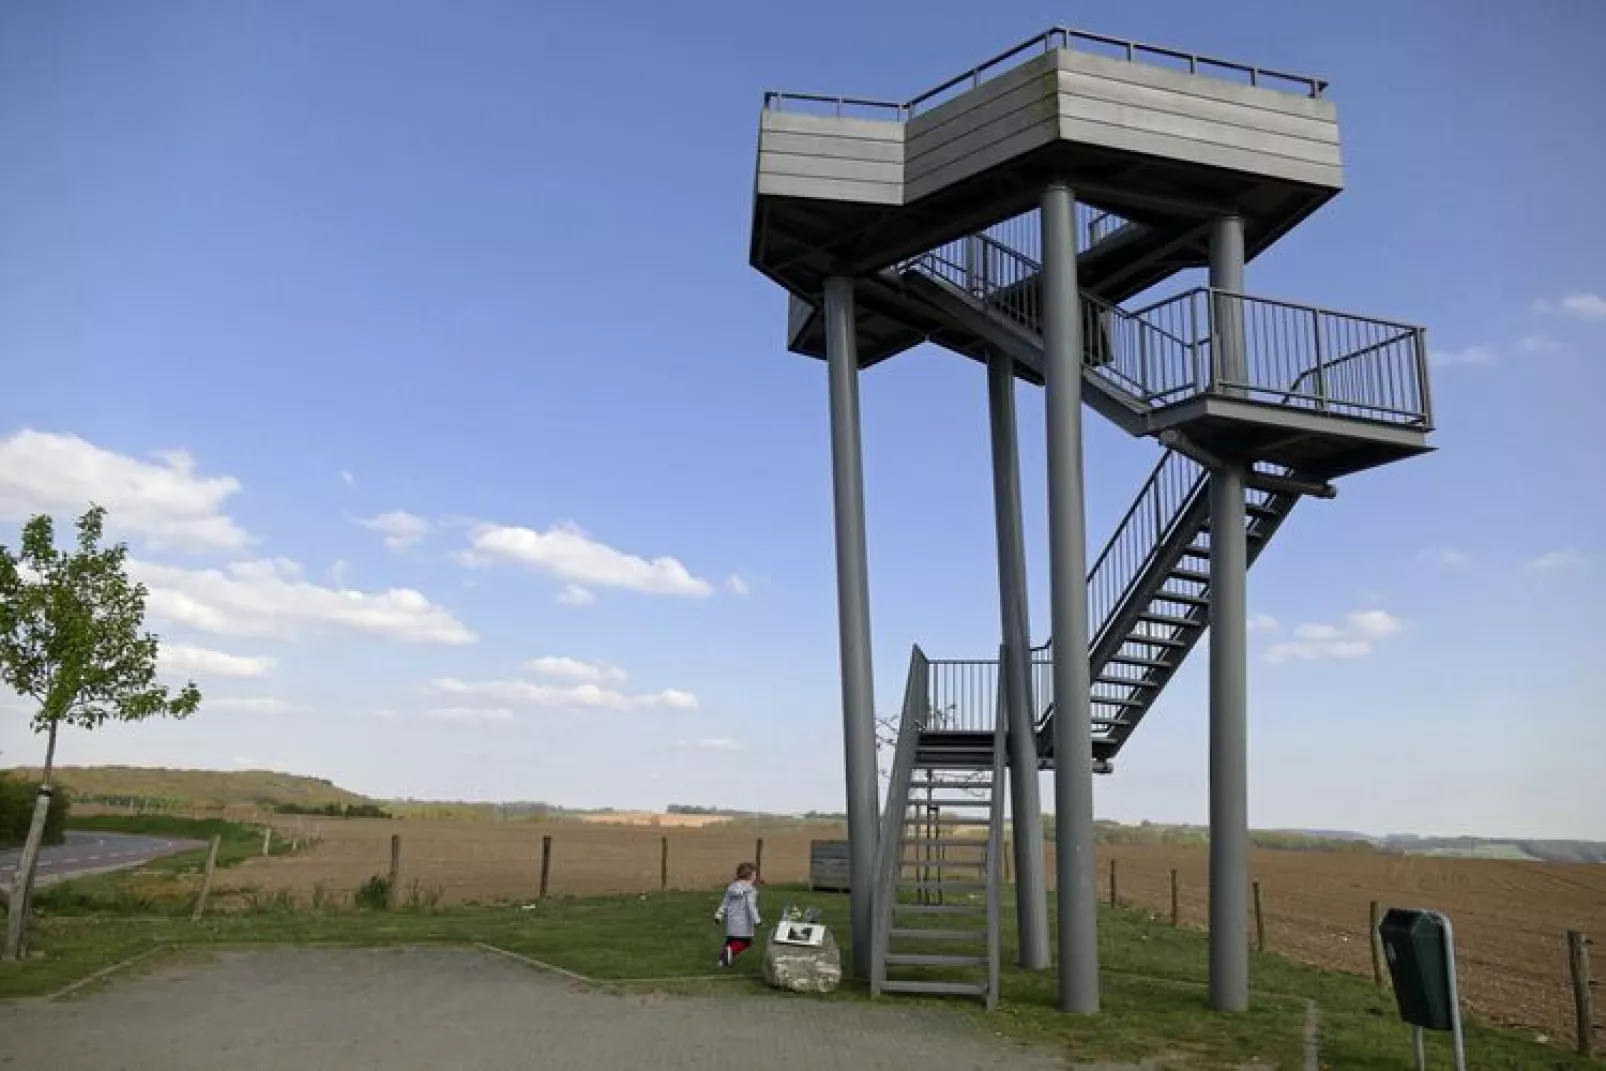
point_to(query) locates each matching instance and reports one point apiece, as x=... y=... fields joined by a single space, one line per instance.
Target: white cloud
x=377 y=715
x=270 y=597
x=1538 y=342
x=1470 y=355
x=575 y=595
x=470 y=714
x=573 y=669
x=1263 y=623
x=179 y=658
x=1446 y=558
x=738 y=586
x=1354 y=638
x=1557 y=560
x=566 y=552
x=347 y=478
x=719 y=743
x=1579 y=305
x=251 y=705
x=338 y=571
x=166 y=504
x=400 y=528
x=585 y=696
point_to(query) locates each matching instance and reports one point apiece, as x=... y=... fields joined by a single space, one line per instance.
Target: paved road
x=423 y=1009
x=86 y=852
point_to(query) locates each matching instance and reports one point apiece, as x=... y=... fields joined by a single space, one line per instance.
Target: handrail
x=995 y=840
x=889 y=842
x=1067 y=38
x=1295 y=355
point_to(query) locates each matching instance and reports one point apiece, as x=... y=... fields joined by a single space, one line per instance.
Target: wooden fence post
x=1375 y=938
x=1176 y=913
x=1583 y=995
x=206 y=878
x=393 y=894
x=546 y=862
x=758 y=857
x=1112 y=883
x=1260 y=922
x=663 y=865
x=267 y=841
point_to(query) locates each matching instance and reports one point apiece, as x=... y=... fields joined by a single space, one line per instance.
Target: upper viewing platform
x=1163 y=138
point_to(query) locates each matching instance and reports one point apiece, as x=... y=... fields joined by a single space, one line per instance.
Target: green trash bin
x=1420 y=949
x=1416 y=945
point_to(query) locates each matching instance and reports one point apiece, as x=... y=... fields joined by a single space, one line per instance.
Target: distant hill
x=193 y=788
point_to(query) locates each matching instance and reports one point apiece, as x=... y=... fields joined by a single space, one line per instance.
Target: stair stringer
x=1025 y=348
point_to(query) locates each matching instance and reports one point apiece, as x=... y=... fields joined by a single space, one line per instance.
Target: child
x=739 y=912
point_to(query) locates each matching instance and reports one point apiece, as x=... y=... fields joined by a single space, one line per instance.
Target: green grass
x=164 y=886
x=1154 y=999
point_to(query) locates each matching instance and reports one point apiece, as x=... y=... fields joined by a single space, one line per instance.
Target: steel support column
x=853 y=613
x=1075 y=873
x=1229 y=640
x=1031 y=894
x=1230 y=361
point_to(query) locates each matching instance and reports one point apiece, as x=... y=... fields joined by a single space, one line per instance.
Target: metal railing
x=963 y=694
x=1172 y=487
x=1010 y=251
x=1133 y=355
x=889 y=842
x=1296 y=356
x=1082 y=41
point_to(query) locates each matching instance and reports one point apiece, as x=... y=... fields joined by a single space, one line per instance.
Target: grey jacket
x=739 y=910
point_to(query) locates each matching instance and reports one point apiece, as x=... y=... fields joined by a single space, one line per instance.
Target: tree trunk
x=50 y=755
x=16 y=943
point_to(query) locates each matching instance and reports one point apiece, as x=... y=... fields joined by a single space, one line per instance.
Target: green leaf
x=71 y=631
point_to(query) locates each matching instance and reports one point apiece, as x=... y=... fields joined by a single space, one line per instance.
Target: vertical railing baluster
x=1321 y=372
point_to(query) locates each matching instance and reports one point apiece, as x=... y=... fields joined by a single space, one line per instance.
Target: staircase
x=1322 y=394
x=941 y=850
x=1149 y=592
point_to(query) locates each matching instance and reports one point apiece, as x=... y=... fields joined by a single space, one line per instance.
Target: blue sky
x=446 y=310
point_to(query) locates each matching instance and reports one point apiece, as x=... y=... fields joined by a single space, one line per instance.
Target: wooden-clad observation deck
x=1160 y=138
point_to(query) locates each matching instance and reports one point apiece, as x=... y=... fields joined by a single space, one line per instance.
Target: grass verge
x=1154 y=1000
x=164 y=886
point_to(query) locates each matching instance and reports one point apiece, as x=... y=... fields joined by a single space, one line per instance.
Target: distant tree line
x=335 y=810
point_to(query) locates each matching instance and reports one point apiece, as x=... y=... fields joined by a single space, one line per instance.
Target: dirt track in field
x=1510 y=917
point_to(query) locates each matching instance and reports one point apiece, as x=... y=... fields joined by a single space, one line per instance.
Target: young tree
x=71 y=640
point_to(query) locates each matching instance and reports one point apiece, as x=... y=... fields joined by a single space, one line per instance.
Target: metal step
x=932 y=959
x=942 y=823
x=940 y=909
x=918 y=796
x=1152 y=641
x=935 y=989
x=1129 y=682
x=1188 y=600
x=1167 y=619
x=1133 y=660
x=944 y=886
x=977 y=785
x=937 y=935
x=1112 y=702
x=1191 y=574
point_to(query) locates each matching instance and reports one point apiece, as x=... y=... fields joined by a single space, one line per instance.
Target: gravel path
x=298 y=1009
